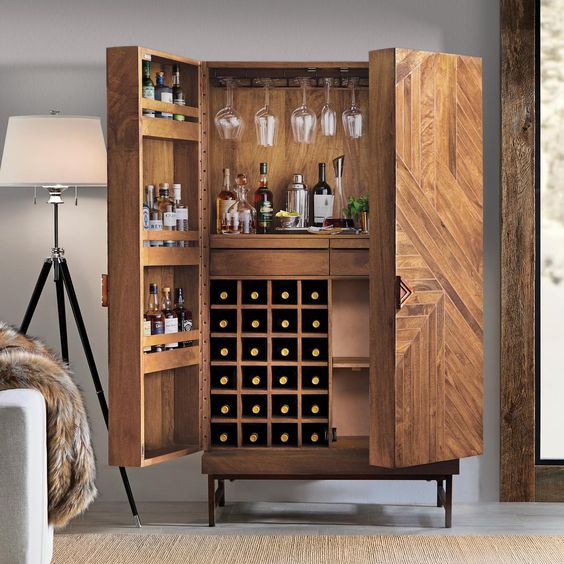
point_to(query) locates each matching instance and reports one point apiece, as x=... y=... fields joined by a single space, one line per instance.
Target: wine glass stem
x=327 y=88
x=266 y=96
x=304 y=94
x=229 y=95
x=353 y=96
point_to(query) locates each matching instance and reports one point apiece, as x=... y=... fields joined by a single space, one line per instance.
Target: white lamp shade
x=50 y=150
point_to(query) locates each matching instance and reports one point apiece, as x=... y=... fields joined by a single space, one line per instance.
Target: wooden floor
x=325 y=519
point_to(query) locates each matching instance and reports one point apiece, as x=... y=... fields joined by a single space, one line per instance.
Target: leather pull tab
x=403 y=292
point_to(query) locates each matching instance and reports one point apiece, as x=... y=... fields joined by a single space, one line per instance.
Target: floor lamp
x=57 y=152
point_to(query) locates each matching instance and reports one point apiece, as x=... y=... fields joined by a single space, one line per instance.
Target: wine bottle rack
x=270 y=363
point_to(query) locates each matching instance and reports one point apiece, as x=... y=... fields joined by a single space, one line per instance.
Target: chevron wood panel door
x=426 y=133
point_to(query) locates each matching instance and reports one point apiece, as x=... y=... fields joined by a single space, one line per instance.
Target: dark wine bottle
x=321 y=200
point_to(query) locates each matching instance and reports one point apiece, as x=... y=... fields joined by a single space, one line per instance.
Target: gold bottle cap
x=223 y=437
x=283 y=380
x=254 y=351
x=315 y=408
x=284 y=437
x=225 y=409
x=224 y=295
x=285 y=409
x=315 y=380
x=223 y=323
x=224 y=380
x=256 y=380
x=315 y=295
x=314 y=437
x=255 y=323
x=224 y=351
x=255 y=409
x=315 y=352
x=316 y=324
x=285 y=295
x=253 y=438
x=284 y=352
x=254 y=295
x=285 y=323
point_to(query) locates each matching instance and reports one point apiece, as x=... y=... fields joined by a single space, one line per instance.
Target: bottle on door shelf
x=166 y=207
x=148 y=88
x=170 y=318
x=177 y=92
x=154 y=321
x=163 y=93
x=183 y=315
x=180 y=211
x=147 y=204
x=264 y=202
x=321 y=204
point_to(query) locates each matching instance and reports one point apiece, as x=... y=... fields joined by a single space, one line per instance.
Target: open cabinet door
x=426 y=326
x=155 y=397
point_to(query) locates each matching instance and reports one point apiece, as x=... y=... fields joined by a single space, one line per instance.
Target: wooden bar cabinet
x=310 y=356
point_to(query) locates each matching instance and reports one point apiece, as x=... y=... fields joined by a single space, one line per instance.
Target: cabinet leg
x=448 y=502
x=221 y=493
x=211 y=501
x=440 y=493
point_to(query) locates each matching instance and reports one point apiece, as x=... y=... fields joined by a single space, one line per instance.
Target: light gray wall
x=52 y=55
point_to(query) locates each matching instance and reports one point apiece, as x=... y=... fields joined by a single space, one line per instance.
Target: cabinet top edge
x=156 y=53
x=286 y=64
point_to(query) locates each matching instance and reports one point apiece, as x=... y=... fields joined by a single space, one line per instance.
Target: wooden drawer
x=349 y=262
x=269 y=262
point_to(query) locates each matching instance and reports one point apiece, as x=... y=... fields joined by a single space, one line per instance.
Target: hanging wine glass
x=352 y=117
x=266 y=123
x=229 y=123
x=328 y=114
x=303 y=119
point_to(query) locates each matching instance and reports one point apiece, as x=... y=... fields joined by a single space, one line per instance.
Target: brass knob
x=284 y=352
x=314 y=437
x=283 y=380
x=315 y=380
x=255 y=409
x=225 y=409
x=315 y=295
x=224 y=351
x=285 y=323
x=315 y=409
x=223 y=437
x=316 y=324
x=315 y=352
x=224 y=380
x=224 y=295
x=285 y=295
x=255 y=323
x=254 y=351
x=284 y=437
x=253 y=438
x=285 y=409
x=256 y=380
x=223 y=323
x=254 y=295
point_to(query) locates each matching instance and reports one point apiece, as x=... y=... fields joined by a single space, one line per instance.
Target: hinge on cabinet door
x=104 y=290
x=403 y=291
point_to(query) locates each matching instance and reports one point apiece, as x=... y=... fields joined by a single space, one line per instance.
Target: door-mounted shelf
x=168 y=360
x=171 y=256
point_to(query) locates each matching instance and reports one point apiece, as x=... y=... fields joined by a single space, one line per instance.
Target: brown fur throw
x=27 y=363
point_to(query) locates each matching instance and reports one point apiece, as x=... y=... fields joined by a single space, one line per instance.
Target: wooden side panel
x=126 y=425
x=426 y=378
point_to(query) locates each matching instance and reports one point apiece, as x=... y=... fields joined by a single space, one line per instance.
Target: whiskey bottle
x=146 y=332
x=163 y=93
x=147 y=205
x=162 y=203
x=155 y=316
x=264 y=202
x=177 y=92
x=181 y=212
x=225 y=199
x=171 y=319
x=148 y=88
x=183 y=315
x=321 y=204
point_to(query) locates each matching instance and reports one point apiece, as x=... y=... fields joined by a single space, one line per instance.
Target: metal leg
x=59 y=289
x=221 y=493
x=36 y=295
x=66 y=277
x=448 y=503
x=440 y=493
x=211 y=501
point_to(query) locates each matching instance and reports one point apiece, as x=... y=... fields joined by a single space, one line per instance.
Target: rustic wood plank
x=517 y=250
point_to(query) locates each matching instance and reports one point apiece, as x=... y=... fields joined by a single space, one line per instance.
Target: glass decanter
x=241 y=215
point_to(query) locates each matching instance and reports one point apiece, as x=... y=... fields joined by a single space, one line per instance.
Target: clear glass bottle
x=223 y=202
x=148 y=88
x=177 y=92
x=181 y=211
x=155 y=316
x=242 y=214
x=163 y=93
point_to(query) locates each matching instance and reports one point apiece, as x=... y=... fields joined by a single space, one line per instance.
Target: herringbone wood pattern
x=438 y=388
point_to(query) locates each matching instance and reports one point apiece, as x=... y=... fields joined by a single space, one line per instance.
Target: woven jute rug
x=253 y=549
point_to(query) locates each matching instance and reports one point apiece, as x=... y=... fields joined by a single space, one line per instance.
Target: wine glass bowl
x=229 y=123
x=352 y=117
x=266 y=123
x=328 y=116
x=303 y=119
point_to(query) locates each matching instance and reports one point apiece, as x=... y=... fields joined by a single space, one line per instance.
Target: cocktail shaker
x=297 y=199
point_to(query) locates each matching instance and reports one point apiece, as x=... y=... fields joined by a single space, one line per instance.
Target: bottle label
x=146 y=218
x=149 y=92
x=171 y=326
x=185 y=324
x=322 y=207
x=156 y=224
x=265 y=212
x=166 y=97
x=157 y=327
x=147 y=328
x=182 y=219
x=169 y=219
x=224 y=205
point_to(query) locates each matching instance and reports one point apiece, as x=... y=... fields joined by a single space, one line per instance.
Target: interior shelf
x=354 y=362
x=170 y=256
x=170 y=235
x=155 y=456
x=167 y=360
x=170 y=129
x=171 y=338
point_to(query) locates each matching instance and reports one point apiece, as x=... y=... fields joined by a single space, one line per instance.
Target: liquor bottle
x=155 y=316
x=264 y=202
x=321 y=200
x=146 y=332
x=171 y=319
x=147 y=205
x=148 y=88
x=163 y=93
x=162 y=203
x=181 y=212
x=177 y=92
x=183 y=315
x=225 y=199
